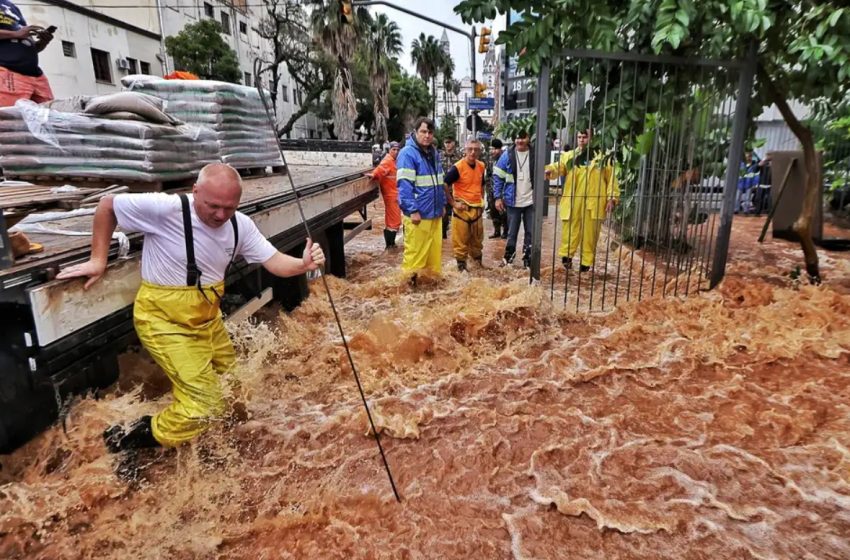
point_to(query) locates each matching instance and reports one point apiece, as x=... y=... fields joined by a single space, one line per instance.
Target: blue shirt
x=17 y=55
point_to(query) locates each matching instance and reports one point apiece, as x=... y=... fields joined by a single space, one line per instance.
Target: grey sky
x=442 y=10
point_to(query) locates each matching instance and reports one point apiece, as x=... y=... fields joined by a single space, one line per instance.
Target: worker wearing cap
x=465 y=193
x=190 y=241
x=385 y=175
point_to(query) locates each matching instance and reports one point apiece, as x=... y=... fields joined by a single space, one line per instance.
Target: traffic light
x=479 y=89
x=484 y=40
x=347 y=11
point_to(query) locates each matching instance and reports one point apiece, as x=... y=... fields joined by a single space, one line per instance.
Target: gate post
x=736 y=152
x=541 y=186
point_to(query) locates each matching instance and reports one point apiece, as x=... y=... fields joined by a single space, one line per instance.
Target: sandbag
x=147 y=106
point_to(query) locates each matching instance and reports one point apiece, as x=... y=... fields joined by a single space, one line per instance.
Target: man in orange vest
x=465 y=194
x=385 y=175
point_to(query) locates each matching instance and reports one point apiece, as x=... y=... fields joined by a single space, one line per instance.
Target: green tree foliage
x=430 y=61
x=340 y=40
x=802 y=51
x=409 y=99
x=200 y=49
x=447 y=129
x=382 y=46
x=284 y=24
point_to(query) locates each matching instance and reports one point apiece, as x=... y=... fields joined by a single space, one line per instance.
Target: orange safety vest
x=470 y=187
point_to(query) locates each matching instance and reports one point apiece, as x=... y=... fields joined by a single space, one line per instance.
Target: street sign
x=481 y=103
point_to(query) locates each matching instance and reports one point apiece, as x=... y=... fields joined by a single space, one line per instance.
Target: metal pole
x=541 y=186
x=474 y=114
x=736 y=150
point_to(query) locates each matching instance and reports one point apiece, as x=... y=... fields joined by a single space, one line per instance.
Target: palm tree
x=338 y=39
x=429 y=59
x=447 y=69
x=383 y=44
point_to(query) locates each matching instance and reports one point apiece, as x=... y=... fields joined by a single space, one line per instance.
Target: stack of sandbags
x=234 y=113
x=35 y=140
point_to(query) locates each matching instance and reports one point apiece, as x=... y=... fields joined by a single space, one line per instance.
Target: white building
x=97 y=42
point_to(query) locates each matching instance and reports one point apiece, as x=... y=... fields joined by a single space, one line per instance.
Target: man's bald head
x=217 y=192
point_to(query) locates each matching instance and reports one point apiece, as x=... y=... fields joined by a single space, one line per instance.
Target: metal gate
x=667 y=138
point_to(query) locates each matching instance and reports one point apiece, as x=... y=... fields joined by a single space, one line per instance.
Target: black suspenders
x=193 y=273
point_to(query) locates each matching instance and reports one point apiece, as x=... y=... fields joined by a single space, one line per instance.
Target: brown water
x=712 y=427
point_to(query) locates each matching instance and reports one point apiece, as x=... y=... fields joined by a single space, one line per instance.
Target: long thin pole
x=733 y=162
x=257 y=66
x=541 y=186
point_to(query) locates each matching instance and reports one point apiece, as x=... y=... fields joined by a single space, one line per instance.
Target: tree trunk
x=345 y=108
x=382 y=111
x=803 y=225
x=303 y=109
x=434 y=98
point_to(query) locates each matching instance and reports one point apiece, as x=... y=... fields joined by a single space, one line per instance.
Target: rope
x=257 y=72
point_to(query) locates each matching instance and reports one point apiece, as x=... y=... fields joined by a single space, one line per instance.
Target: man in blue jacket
x=513 y=188
x=422 y=200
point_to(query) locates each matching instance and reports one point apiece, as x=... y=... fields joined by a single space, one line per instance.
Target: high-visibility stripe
x=425 y=181
x=408 y=174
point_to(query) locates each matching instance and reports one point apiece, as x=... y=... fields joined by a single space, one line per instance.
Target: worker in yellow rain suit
x=591 y=191
x=190 y=241
x=465 y=193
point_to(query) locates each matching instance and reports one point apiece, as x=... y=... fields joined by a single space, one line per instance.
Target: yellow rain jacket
x=183 y=330
x=592 y=185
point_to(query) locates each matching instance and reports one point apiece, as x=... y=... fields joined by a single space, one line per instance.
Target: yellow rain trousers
x=468 y=233
x=185 y=334
x=423 y=245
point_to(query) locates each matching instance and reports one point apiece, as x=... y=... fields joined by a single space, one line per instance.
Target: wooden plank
x=353 y=233
x=251 y=307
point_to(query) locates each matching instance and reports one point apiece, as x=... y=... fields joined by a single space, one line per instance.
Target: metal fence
x=666 y=147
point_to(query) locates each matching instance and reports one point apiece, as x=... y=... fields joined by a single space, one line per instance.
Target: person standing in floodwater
x=177 y=309
x=591 y=192
x=385 y=175
x=422 y=200
x=465 y=193
x=448 y=156
x=513 y=187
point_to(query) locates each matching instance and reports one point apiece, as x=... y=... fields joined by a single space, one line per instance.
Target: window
x=68 y=49
x=248 y=79
x=208 y=10
x=284 y=94
x=102 y=69
x=225 y=22
x=145 y=67
x=243 y=28
x=133 y=65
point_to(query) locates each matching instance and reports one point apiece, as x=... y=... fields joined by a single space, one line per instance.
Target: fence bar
x=736 y=149
x=541 y=194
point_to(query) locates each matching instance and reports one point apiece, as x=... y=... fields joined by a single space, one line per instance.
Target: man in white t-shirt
x=513 y=189
x=190 y=240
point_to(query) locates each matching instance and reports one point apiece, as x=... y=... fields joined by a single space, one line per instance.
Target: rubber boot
x=461 y=266
x=139 y=436
x=391 y=238
x=387 y=239
x=497 y=233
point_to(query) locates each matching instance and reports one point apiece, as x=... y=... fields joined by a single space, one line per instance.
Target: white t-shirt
x=160 y=217
x=524 y=195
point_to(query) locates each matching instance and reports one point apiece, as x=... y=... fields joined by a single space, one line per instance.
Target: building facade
x=97 y=42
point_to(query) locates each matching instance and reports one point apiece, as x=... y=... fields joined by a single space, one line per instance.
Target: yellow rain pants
x=577 y=232
x=468 y=233
x=185 y=334
x=423 y=245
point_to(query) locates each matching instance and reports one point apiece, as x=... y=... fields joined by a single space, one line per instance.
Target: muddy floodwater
x=713 y=427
